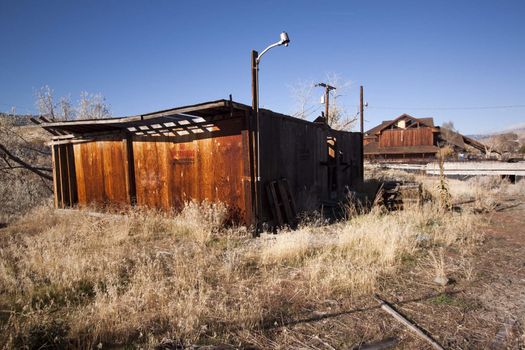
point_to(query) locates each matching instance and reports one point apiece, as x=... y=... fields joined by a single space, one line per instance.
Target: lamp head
x=285 y=40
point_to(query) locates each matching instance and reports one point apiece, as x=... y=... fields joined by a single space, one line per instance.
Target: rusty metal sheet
x=101 y=172
x=172 y=171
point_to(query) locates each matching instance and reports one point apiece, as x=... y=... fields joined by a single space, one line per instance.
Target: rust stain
x=169 y=174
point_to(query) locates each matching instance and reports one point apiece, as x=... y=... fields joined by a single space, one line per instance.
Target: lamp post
x=256 y=59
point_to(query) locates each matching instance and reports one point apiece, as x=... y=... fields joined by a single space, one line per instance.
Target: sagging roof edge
x=199 y=107
x=152 y=115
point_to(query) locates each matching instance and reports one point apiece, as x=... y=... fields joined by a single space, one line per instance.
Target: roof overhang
x=193 y=114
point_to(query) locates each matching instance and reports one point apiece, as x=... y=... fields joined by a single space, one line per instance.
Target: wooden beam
x=71 y=175
x=132 y=186
x=413 y=327
x=56 y=174
x=64 y=187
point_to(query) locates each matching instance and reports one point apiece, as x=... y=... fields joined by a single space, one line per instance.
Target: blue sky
x=416 y=57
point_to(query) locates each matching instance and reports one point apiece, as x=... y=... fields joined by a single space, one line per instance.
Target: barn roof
x=386 y=123
x=191 y=114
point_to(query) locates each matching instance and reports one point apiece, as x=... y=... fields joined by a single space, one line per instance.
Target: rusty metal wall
x=170 y=172
x=163 y=172
x=101 y=172
x=406 y=137
x=167 y=171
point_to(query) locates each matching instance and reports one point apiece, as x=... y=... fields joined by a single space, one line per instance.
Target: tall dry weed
x=144 y=276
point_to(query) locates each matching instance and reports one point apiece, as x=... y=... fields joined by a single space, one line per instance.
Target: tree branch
x=23 y=167
x=24 y=164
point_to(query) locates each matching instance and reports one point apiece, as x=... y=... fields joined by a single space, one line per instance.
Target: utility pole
x=327 y=90
x=361 y=110
x=362 y=120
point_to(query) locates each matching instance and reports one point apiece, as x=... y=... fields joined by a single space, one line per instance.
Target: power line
x=307 y=111
x=307 y=115
x=450 y=108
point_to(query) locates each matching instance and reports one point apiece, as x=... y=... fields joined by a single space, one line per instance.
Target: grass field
x=71 y=279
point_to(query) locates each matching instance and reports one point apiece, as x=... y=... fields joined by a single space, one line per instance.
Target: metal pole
x=362 y=120
x=255 y=107
x=254 y=80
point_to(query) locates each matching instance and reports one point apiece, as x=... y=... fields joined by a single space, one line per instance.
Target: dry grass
x=484 y=192
x=70 y=279
x=148 y=275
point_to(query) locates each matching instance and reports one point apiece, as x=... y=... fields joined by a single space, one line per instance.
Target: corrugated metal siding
x=101 y=172
x=168 y=174
x=168 y=171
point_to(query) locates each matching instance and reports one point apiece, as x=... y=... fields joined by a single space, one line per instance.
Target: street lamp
x=285 y=40
x=256 y=58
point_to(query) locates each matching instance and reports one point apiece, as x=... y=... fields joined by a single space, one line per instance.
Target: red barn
x=402 y=139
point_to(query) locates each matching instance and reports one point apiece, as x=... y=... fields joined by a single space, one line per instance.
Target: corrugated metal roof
x=169 y=120
x=189 y=113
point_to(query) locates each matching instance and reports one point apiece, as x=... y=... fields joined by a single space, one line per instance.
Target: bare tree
x=305 y=104
x=66 y=109
x=503 y=143
x=448 y=126
x=45 y=103
x=92 y=106
x=302 y=95
x=25 y=169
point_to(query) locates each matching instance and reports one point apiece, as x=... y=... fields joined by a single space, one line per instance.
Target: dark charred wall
x=299 y=151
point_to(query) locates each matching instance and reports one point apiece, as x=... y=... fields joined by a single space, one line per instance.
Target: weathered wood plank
x=64 y=186
x=56 y=177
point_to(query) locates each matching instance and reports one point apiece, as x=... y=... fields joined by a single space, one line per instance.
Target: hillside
x=520 y=131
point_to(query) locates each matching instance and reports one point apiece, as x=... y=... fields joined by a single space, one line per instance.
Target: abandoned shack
x=203 y=152
x=409 y=139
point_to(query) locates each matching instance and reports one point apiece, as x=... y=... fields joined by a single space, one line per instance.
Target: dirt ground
x=482 y=308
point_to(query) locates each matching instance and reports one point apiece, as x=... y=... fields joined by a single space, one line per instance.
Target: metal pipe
x=256 y=58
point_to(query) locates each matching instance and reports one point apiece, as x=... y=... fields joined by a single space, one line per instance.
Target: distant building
x=410 y=139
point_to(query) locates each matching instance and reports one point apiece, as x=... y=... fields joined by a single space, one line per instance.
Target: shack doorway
x=332 y=165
